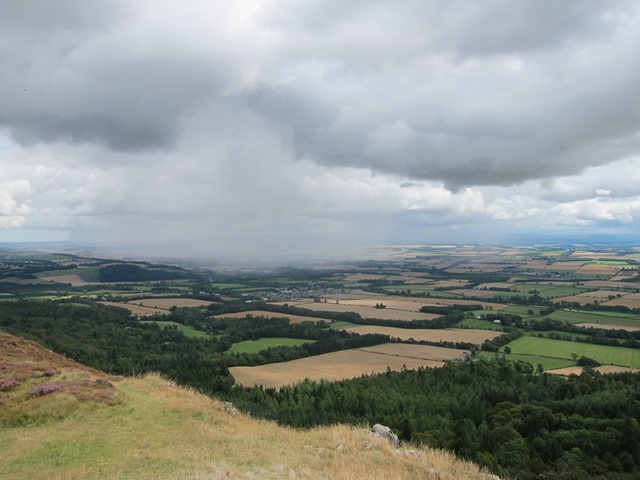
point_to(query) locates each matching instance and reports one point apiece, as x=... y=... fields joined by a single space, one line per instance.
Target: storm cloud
x=289 y=119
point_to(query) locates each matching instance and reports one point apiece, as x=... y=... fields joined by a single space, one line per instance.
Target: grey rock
x=385 y=432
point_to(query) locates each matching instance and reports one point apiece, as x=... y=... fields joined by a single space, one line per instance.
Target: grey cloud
x=480 y=93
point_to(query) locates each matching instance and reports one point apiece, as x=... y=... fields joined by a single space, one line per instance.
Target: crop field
x=603 y=318
x=136 y=309
x=430 y=289
x=547 y=363
x=227 y=286
x=266 y=314
x=345 y=364
x=367 y=312
x=186 y=329
x=167 y=303
x=254 y=346
x=435 y=335
x=625 y=301
x=602 y=369
x=545 y=347
x=480 y=324
x=609 y=327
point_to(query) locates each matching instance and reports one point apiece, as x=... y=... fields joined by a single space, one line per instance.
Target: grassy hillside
x=62 y=420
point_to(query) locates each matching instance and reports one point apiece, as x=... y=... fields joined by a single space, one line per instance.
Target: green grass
x=546 y=362
x=604 y=318
x=227 y=286
x=548 y=333
x=545 y=347
x=426 y=289
x=254 y=346
x=342 y=325
x=522 y=310
x=479 y=324
x=187 y=330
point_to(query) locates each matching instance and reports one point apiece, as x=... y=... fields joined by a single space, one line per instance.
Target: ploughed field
x=346 y=364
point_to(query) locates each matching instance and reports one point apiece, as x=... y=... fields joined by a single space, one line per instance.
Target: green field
x=253 y=346
x=188 y=331
x=604 y=318
x=227 y=286
x=522 y=310
x=479 y=324
x=419 y=288
x=343 y=325
x=546 y=362
x=89 y=274
x=545 y=347
x=549 y=333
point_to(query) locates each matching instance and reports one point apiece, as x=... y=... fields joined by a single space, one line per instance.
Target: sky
x=281 y=126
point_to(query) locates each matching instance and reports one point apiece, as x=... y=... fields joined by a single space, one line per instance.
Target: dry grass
x=436 y=335
x=266 y=314
x=160 y=431
x=345 y=364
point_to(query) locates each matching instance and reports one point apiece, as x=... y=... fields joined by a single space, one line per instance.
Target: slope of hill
x=59 y=419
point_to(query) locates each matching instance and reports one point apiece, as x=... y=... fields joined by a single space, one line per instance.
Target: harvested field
x=368 y=312
x=435 y=335
x=598 y=294
x=264 y=313
x=167 y=303
x=452 y=301
x=345 y=364
x=602 y=369
x=574 y=299
x=625 y=302
x=136 y=309
x=608 y=327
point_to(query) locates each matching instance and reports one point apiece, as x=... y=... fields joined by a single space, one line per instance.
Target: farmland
x=544 y=347
x=431 y=335
x=345 y=364
x=250 y=326
x=266 y=314
x=254 y=346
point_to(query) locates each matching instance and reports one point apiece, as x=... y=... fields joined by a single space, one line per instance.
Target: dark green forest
x=511 y=417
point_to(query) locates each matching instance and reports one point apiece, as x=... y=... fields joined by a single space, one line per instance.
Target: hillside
x=59 y=419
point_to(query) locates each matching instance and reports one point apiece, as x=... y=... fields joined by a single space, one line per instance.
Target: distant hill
x=59 y=419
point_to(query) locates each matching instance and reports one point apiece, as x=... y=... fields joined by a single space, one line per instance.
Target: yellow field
x=602 y=369
x=167 y=303
x=366 y=312
x=264 y=313
x=345 y=364
x=437 y=335
x=136 y=309
x=625 y=301
x=607 y=327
